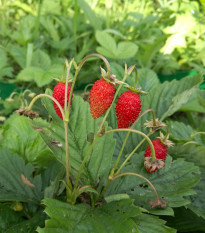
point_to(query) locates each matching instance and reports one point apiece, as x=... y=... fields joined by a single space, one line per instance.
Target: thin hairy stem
x=126 y=138
x=131 y=154
x=140 y=133
x=142 y=177
x=48 y=96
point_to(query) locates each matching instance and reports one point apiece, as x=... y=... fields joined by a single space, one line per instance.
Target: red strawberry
x=127 y=108
x=101 y=97
x=160 y=152
x=59 y=95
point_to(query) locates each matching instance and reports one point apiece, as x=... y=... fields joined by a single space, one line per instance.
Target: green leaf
x=179 y=131
x=147 y=79
x=41 y=59
x=6 y=71
x=90 y=14
x=109 y=47
x=30 y=74
x=19 y=54
x=151 y=224
x=172 y=183
x=114 y=217
x=16 y=181
x=26 y=225
x=21 y=138
x=52 y=179
x=165 y=99
x=116 y=197
x=8 y=217
x=182 y=132
x=194 y=153
x=81 y=124
x=186 y=221
x=126 y=50
x=38 y=75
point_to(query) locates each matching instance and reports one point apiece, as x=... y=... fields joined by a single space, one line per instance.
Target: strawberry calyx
x=165 y=140
x=63 y=80
x=154 y=124
x=161 y=204
x=153 y=166
x=137 y=90
x=112 y=79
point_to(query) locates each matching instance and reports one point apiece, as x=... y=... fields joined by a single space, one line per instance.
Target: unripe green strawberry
x=101 y=97
x=127 y=108
x=59 y=95
x=160 y=153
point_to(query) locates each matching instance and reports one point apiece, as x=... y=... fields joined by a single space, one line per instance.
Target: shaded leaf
x=12 y=188
x=194 y=153
x=172 y=183
x=151 y=224
x=23 y=139
x=112 y=217
x=186 y=221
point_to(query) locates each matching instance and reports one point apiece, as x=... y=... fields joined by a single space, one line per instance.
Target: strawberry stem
x=85 y=89
x=142 y=177
x=67 y=109
x=140 y=133
x=125 y=174
x=130 y=155
x=126 y=138
x=193 y=135
x=136 y=77
x=48 y=96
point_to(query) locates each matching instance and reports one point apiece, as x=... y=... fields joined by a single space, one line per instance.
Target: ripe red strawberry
x=59 y=95
x=101 y=97
x=160 y=152
x=127 y=108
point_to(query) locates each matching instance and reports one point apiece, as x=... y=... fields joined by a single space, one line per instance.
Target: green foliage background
x=165 y=40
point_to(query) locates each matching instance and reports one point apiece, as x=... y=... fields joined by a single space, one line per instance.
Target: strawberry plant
x=101 y=165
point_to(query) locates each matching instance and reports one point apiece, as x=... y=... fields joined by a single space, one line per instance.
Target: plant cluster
x=89 y=168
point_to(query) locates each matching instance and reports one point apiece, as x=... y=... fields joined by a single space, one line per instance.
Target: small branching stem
x=67 y=156
x=140 y=133
x=193 y=135
x=126 y=138
x=67 y=106
x=142 y=177
x=48 y=96
x=136 y=77
x=131 y=154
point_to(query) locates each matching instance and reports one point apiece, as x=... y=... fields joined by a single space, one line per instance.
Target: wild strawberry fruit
x=127 y=108
x=101 y=97
x=160 y=153
x=59 y=95
x=160 y=146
